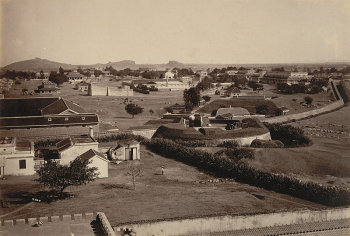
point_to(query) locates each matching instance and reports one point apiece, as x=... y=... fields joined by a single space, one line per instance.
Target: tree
x=308 y=100
x=206 y=98
x=57 y=78
x=58 y=177
x=133 y=171
x=133 y=109
x=262 y=109
x=191 y=98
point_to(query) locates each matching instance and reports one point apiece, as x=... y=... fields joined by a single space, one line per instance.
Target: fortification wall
x=303 y=115
x=230 y=223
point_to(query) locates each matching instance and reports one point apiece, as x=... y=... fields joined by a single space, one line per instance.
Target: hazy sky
x=156 y=31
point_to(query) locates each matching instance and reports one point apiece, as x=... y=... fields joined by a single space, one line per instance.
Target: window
x=22 y=164
x=83 y=118
x=49 y=119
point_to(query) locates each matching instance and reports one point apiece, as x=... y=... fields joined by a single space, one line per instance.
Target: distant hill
x=38 y=64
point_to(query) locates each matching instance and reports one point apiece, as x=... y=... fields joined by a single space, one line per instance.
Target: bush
x=228 y=168
x=121 y=136
x=191 y=143
x=237 y=154
x=228 y=144
x=290 y=136
x=46 y=143
x=258 y=143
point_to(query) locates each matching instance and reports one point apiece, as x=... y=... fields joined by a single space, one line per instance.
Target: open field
x=326 y=161
x=182 y=192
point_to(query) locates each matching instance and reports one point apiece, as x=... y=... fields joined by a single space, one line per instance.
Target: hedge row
x=290 y=136
x=225 y=167
x=259 y=143
x=121 y=136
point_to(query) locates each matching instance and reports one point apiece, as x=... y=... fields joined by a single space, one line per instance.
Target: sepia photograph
x=174 y=117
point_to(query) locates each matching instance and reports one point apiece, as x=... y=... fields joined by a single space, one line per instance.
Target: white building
x=231 y=72
x=74 y=146
x=98 y=160
x=169 y=75
x=16 y=157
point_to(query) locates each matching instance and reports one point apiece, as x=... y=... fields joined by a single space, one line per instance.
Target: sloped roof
x=91 y=153
x=17 y=107
x=68 y=142
x=60 y=106
x=64 y=144
x=236 y=111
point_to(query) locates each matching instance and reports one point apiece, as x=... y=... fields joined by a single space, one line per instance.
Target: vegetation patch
x=290 y=136
x=259 y=143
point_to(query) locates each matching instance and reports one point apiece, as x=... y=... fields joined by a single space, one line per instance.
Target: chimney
x=91 y=132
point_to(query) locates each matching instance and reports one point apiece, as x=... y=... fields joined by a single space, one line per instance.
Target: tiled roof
x=91 y=153
x=13 y=107
x=60 y=106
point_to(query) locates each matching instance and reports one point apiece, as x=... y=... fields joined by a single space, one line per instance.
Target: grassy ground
x=182 y=192
x=326 y=161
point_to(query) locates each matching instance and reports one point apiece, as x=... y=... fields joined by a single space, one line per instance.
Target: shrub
x=191 y=143
x=121 y=136
x=262 y=109
x=46 y=143
x=237 y=154
x=290 y=136
x=258 y=143
x=228 y=144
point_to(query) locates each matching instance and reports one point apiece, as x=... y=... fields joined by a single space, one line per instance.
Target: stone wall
x=306 y=114
x=230 y=223
x=97 y=90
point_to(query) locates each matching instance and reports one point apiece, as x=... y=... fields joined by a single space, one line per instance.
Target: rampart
x=230 y=223
x=98 y=90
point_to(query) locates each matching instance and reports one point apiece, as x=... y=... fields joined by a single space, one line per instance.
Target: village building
x=70 y=148
x=44 y=117
x=284 y=110
x=128 y=149
x=82 y=86
x=231 y=72
x=74 y=77
x=47 y=87
x=16 y=157
x=186 y=79
x=97 y=160
x=233 y=111
x=42 y=76
x=169 y=75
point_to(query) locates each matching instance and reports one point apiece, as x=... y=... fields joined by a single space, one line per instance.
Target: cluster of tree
x=86 y=73
x=290 y=136
x=184 y=72
x=313 y=88
x=133 y=109
x=12 y=74
x=153 y=74
x=58 y=177
x=279 y=69
x=192 y=98
x=58 y=78
x=255 y=86
x=262 y=109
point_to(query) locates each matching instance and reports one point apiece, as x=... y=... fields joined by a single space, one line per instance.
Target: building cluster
x=24 y=119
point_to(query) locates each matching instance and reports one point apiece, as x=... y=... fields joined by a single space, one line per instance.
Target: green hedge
x=290 y=136
x=121 y=136
x=259 y=143
x=225 y=167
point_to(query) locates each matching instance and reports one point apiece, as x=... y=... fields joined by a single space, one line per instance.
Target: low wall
x=48 y=219
x=96 y=90
x=303 y=115
x=230 y=223
x=246 y=141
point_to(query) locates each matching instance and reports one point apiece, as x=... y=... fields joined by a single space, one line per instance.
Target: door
x=131 y=156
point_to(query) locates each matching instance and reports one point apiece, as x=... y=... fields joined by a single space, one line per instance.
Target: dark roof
x=60 y=106
x=12 y=107
x=68 y=142
x=43 y=121
x=91 y=153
